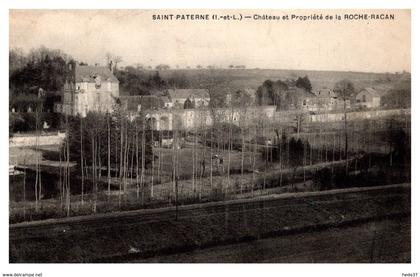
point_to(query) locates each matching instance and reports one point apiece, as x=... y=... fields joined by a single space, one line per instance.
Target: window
x=364 y=98
x=97 y=82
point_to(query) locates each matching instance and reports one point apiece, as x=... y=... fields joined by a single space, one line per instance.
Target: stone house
x=89 y=88
x=326 y=100
x=200 y=97
x=368 y=98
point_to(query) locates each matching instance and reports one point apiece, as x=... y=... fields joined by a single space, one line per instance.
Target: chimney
x=111 y=67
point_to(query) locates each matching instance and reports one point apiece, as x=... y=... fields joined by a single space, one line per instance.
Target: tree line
x=281 y=93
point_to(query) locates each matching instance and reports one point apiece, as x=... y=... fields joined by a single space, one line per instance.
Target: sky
x=342 y=45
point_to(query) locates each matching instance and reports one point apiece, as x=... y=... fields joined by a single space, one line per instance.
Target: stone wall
x=31 y=140
x=332 y=117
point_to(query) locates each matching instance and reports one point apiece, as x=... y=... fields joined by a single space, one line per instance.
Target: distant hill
x=253 y=78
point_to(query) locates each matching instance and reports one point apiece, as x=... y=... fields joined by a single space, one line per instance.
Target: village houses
x=95 y=88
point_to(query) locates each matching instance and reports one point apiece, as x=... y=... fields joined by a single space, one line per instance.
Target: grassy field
x=350 y=244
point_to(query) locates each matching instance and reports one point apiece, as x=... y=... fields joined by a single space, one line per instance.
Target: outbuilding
x=368 y=98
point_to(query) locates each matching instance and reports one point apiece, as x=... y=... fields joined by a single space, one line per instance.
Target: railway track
x=320 y=203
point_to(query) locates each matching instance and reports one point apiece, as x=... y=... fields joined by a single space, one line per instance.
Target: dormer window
x=97 y=82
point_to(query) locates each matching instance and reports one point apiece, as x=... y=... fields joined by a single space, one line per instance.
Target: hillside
x=252 y=78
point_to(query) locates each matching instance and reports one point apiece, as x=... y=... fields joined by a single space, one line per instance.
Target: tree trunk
x=242 y=158
x=159 y=180
x=304 y=161
x=333 y=154
x=211 y=157
x=109 y=156
x=229 y=148
x=253 y=164
x=24 y=192
x=137 y=162
x=194 y=159
x=37 y=162
x=143 y=150
x=121 y=161
x=153 y=164
x=68 y=169
x=125 y=158
x=346 y=138
x=81 y=158
x=60 y=180
x=93 y=171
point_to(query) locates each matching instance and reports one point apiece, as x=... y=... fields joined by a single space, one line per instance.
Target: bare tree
x=194 y=155
x=68 y=195
x=153 y=160
x=137 y=160
x=117 y=60
x=112 y=60
x=345 y=89
x=81 y=158
x=108 y=57
x=143 y=158
x=109 y=154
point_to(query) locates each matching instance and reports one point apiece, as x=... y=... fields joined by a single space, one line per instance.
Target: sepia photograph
x=209 y=136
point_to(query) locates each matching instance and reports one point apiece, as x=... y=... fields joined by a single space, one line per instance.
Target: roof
x=165 y=99
x=325 y=92
x=300 y=92
x=371 y=91
x=158 y=92
x=87 y=73
x=185 y=93
x=147 y=102
x=249 y=91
